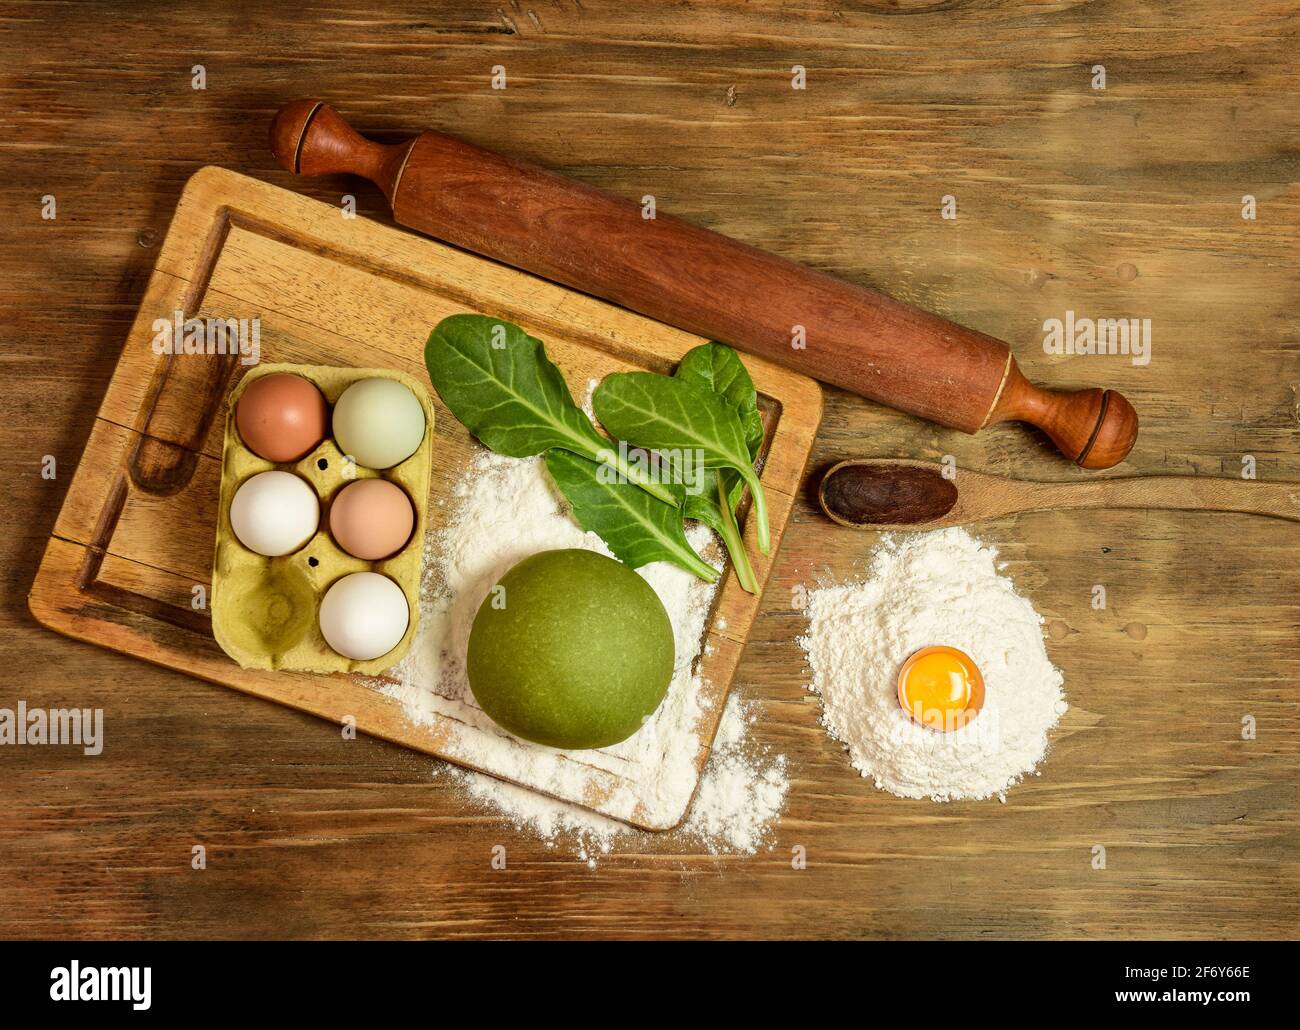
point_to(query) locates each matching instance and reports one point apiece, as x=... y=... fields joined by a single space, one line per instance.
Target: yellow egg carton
x=265 y=610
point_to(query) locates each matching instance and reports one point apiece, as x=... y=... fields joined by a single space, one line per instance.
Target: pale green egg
x=378 y=422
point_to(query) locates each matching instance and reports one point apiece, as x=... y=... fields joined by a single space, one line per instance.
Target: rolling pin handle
x=1094 y=428
x=308 y=137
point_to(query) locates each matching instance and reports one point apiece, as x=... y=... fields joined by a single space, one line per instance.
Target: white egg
x=364 y=615
x=274 y=513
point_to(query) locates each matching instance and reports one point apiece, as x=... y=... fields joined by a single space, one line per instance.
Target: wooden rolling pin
x=704 y=283
x=894 y=494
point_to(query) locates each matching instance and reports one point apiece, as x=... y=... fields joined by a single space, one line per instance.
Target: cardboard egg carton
x=265 y=610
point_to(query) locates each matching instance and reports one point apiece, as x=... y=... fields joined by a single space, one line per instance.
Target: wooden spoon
x=891 y=494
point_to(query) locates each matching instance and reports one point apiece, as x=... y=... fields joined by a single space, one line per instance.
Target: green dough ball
x=571 y=649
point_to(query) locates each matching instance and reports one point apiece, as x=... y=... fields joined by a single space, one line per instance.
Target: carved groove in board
x=163 y=466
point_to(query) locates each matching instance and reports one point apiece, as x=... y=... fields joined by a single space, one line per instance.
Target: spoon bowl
x=889 y=494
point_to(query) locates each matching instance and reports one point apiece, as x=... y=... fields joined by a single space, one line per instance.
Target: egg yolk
x=940 y=687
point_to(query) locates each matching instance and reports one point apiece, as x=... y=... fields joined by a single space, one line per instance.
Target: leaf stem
x=695 y=564
x=609 y=456
x=760 y=508
x=735 y=543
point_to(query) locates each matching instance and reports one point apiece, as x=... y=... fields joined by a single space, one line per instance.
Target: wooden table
x=1122 y=202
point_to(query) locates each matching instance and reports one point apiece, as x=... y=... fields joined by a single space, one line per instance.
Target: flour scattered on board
x=739 y=797
x=933 y=589
x=505 y=510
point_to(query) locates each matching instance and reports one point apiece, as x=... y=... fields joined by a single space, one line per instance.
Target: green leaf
x=704 y=505
x=715 y=506
x=635 y=526
x=715 y=366
x=668 y=414
x=498 y=381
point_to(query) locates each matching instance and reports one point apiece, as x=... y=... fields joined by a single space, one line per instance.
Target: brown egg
x=372 y=519
x=282 y=417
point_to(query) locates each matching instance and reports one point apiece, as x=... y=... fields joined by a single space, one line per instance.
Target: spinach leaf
x=498 y=381
x=667 y=414
x=637 y=528
x=715 y=506
x=715 y=366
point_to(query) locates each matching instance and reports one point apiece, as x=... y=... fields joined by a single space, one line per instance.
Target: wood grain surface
x=127 y=552
x=1122 y=202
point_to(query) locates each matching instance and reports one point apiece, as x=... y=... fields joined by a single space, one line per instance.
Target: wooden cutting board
x=128 y=564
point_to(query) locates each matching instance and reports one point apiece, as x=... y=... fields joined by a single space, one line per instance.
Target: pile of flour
x=940 y=588
x=505 y=510
x=740 y=795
